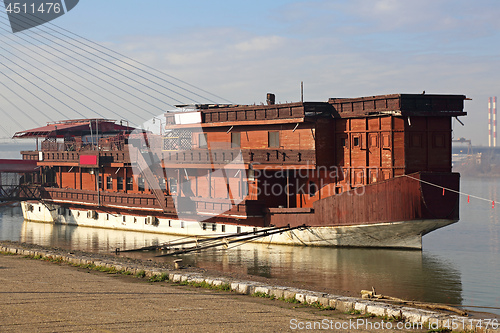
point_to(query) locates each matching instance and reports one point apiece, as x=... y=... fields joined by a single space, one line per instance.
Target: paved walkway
x=38 y=296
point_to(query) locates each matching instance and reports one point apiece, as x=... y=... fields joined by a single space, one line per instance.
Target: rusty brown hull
x=418 y=196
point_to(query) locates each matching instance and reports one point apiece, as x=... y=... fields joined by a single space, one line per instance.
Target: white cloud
x=260 y=43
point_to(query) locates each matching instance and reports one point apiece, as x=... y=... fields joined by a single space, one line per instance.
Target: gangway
x=198 y=244
x=11 y=180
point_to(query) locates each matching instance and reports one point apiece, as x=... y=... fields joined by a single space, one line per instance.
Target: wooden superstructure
x=293 y=163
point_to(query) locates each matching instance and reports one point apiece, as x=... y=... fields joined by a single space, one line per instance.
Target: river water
x=460 y=264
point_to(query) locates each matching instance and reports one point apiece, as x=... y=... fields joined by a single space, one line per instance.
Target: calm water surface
x=460 y=264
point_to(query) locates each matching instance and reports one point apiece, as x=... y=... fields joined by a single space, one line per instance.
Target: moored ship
x=366 y=172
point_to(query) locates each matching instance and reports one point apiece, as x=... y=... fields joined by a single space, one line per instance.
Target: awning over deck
x=73 y=127
x=17 y=166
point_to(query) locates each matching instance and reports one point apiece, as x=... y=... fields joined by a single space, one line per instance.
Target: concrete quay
x=40 y=296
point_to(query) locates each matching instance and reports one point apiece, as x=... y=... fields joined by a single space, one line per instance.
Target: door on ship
x=273 y=189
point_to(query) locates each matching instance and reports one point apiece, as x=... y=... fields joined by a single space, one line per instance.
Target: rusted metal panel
x=405 y=104
x=292 y=217
x=428 y=144
x=262 y=112
x=398 y=199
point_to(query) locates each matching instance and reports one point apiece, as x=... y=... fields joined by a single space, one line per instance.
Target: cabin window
x=140 y=183
x=386 y=141
x=109 y=183
x=119 y=183
x=373 y=140
x=130 y=184
x=356 y=141
x=359 y=177
x=274 y=139
x=203 y=139
x=172 y=183
x=100 y=181
x=313 y=188
x=235 y=140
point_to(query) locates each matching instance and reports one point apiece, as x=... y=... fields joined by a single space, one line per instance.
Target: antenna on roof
x=302 y=91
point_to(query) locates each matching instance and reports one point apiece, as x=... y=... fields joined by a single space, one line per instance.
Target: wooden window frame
x=273 y=139
x=119 y=183
x=140 y=184
x=129 y=183
x=356 y=141
x=109 y=183
x=235 y=139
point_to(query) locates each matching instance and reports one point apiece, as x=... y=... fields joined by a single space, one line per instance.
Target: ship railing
x=139 y=200
x=30 y=155
x=116 y=143
x=253 y=113
x=107 y=156
x=19 y=192
x=148 y=200
x=227 y=206
x=224 y=156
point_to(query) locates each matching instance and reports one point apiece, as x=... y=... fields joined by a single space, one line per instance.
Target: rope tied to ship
x=454 y=191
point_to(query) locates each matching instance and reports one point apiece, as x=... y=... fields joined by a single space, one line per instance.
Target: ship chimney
x=489 y=121
x=271 y=99
x=494 y=121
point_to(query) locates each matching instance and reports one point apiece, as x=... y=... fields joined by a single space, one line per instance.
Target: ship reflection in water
x=412 y=275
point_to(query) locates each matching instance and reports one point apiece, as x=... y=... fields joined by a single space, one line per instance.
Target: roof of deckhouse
x=74 y=127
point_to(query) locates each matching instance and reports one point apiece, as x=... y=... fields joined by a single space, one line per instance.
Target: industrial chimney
x=494 y=121
x=489 y=121
x=271 y=99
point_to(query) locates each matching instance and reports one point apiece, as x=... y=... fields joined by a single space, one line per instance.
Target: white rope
x=449 y=189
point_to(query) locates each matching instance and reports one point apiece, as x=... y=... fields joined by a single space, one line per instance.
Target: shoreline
x=262 y=288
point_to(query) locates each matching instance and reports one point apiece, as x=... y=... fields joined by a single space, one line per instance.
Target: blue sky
x=242 y=50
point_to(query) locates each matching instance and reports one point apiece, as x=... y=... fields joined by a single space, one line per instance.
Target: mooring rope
x=454 y=191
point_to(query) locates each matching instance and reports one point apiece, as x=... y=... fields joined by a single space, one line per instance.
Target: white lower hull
x=403 y=234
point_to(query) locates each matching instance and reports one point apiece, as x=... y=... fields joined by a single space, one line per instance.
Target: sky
x=241 y=50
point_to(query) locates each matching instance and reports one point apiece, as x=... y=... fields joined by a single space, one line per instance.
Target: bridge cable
x=80 y=76
x=112 y=70
x=48 y=24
